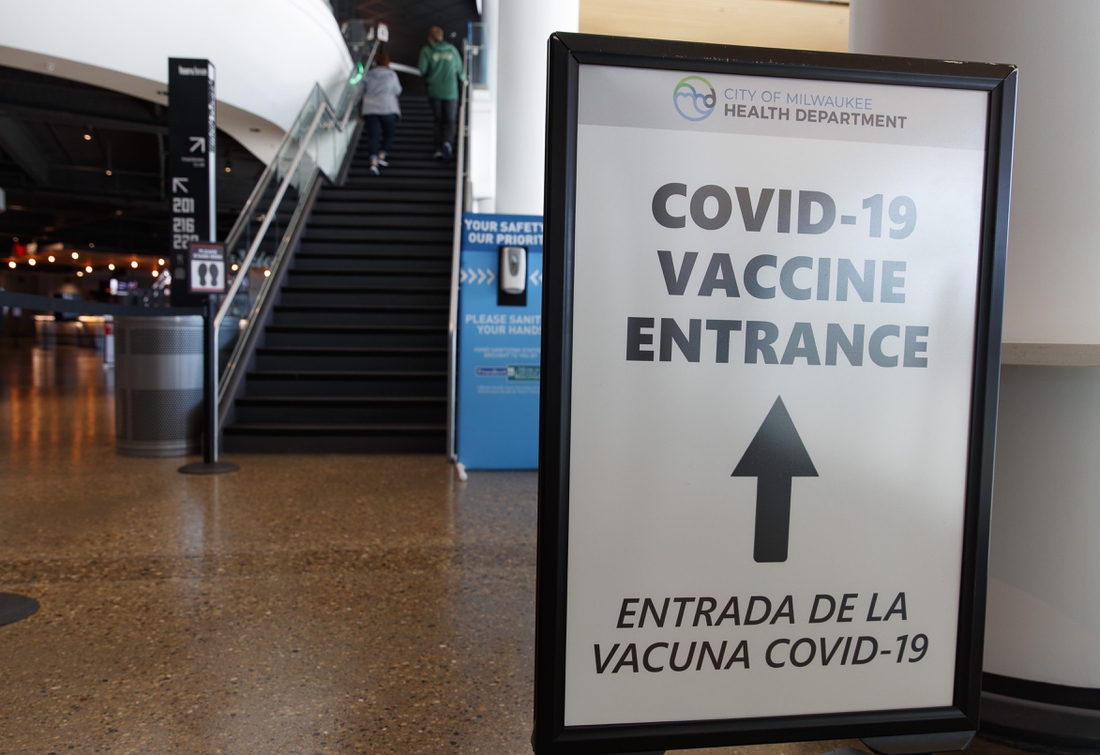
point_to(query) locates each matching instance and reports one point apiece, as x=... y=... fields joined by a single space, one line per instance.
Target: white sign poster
x=207 y=262
x=774 y=320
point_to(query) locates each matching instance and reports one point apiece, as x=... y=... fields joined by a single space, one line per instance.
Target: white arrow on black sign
x=179 y=184
x=198 y=143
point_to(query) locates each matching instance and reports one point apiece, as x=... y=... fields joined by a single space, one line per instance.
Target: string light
x=79 y=273
x=110 y=266
x=32 y=262
x=12 y=264
x=134 y=264
x=160 y=261
x=51 y=258
x=235 y=267
x=76 y=256
x=156 y=273
x=88 y=269
x=267 y=273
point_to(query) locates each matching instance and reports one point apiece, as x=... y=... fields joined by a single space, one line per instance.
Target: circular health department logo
x=694 y=98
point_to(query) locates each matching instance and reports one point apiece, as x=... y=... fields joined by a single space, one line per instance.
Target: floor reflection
x=305 y=604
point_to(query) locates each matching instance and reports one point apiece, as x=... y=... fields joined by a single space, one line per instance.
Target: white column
x=1053 y=264
x=1043 y=616
x=483 y=118
x=520 y=41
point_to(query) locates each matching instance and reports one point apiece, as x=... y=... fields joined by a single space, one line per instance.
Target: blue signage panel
x=499 y=342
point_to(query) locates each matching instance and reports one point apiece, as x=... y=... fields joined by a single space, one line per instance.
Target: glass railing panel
x=318 y=140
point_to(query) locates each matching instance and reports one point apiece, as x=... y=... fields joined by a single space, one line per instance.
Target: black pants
x=380 y=130
x=445 y=112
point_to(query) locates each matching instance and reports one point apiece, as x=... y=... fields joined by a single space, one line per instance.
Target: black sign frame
x=567 y=52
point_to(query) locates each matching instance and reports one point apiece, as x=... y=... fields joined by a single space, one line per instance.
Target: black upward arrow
x=774 y=456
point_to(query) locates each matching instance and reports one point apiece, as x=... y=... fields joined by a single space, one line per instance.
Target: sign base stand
x=202 y=467
x=15 y=608
x=210 y=463
x=916 y=744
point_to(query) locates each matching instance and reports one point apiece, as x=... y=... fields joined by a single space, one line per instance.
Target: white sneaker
x=438 y=155
x=374 y=170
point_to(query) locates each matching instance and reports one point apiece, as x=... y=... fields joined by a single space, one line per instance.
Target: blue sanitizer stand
x=499 y=343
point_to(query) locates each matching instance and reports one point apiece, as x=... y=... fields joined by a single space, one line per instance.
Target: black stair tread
x=357 y=222
x=347 y=374
x=299 y=289
x=336 y=400
x=350 y=350
x=335 y=328
x=334 y=429
x=361 y=308
x=427 y=272
x=401 y=182
x=372 y=195
x=369 y=250
x=380 y=235
x=333 y=207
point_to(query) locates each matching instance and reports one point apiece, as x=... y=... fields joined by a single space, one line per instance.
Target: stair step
x=374 y=194
x=368 y=336
x=346 y=220
x=346 y=383
x=319 y=295
x=361 y=314
x=374 y=249
x=407 y=183
x=350 y=358
x=342 y=410
x=369 y=263
x=407 y=235
x=369 y=280
x=379 y=206
x=357 y=439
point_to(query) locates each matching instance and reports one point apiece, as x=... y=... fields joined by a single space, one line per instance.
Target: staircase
x=354 y=357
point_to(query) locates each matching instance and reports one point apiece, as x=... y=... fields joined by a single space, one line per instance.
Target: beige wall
x=764 y=23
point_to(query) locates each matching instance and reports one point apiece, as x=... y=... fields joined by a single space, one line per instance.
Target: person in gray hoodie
x=381 y=109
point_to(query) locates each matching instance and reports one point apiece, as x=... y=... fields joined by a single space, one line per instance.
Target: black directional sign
x=803 y=279
x=191 y=170
x=775 y=455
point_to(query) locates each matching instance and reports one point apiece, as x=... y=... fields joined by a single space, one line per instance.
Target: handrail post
x=456 y=251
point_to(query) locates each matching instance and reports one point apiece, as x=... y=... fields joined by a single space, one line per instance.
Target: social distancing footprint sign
x=207 y=263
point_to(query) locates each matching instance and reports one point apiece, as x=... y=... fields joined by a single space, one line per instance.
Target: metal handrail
x=265 y=179
x=456 y=261
x=244 y=339
x=268 y=216
x=335 y=120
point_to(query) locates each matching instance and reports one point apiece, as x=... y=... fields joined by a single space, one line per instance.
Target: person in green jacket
x=441 y=66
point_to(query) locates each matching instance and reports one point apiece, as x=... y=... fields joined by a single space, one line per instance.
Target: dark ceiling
x=408 y=22
x=84 y=166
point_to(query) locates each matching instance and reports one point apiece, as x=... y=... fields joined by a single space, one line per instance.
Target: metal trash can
x=158 y=385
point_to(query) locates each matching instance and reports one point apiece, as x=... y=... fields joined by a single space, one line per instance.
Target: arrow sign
x=492 y=276
x=179 y=184
x=198 y=143
x=461 y=276
x=774 y=456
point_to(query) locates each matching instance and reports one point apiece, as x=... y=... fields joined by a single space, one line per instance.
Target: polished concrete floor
x=305 y=604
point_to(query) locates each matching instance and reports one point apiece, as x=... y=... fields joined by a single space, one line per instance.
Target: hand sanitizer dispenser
x=513 y=269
